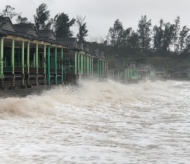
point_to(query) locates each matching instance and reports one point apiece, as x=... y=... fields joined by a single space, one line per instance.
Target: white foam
x=100 y=122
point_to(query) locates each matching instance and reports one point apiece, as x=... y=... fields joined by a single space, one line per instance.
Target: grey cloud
x=101 y=14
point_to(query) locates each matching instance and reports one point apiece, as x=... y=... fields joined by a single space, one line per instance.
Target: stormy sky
x=101 y=14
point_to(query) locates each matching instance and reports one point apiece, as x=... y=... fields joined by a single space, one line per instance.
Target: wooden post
x=62 y=74
x=48 y=66
x=79 y=63
x=36 y=58
x=92 y=66
x=22 y=63
x=1 y=57
x=28 y=58
x=1 y=62
x=44 y=64
x=65 y=73
x=87 y=65
x=28 y=63
x=13 y=56
x=76 y=70
x=13 y=62
x=55 y=61
x=82 y=64
x=36 y=63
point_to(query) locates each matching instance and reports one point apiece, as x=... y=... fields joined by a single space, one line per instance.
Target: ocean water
x=98 y=122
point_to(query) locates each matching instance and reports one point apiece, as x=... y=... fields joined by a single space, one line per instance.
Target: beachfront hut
x=26 y=56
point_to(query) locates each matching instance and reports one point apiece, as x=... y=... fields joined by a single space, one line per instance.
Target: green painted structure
x=29 y=57
x=124 y=75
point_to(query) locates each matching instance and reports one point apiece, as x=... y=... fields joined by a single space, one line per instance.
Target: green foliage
x=184 y=38
x=22 y=20
x=82 y=29
x=169 y=36
x=62 y=25
x=158 y=36
x=8 y=12
x=144 y=33
x=133 y=41
x=116 y=33
x=41 y=19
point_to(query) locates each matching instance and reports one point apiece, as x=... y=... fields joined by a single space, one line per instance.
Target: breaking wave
x=89 y=94
x=98 y=122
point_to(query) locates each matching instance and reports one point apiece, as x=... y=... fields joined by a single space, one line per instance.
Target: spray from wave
x=89 y=94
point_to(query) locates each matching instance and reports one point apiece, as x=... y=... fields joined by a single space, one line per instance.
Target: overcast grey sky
x=101 y=14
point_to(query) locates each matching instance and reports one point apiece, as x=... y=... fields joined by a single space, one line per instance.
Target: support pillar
x=98 y=69
x=37 y=63
x=92 y=66
x=55 y=65
x=62 y=72
x=13 y=62
x=82 y=69
x=22 y=63
x=65 y=73
x=86 y=62
x=44 y=64
x=1 y=62
x=28 y=63
x=83 y=63
x=48 y=67
x=79 y=63
x=76 y=63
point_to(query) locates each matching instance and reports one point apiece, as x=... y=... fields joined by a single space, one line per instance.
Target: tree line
x=163 y=39
x=61 y=23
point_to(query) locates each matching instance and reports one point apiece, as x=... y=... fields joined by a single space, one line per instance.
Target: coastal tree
x=183 y=38
x=42 y=18
x=62 y=25
x=83 y=32
x=115 y=33
x=176 y=34
x=125 y=35
x=164 y=36
x=168 y=36
x=133 y=41
x=144 y=33
x=158 y=33
x=22 y=20
x=8 y=12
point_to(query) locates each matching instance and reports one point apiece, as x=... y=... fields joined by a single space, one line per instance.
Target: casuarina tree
x=42 y=18
x=158 y=36
x=115 y=33
x=144 y=33
x=8 y=12
x=83 y=32
x=22 y=20
x=62 y=25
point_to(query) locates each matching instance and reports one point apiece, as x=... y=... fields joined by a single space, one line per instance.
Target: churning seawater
x=98 y=122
